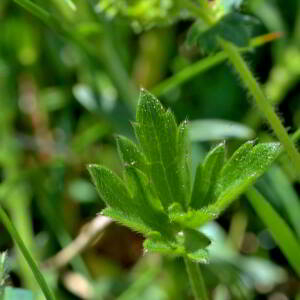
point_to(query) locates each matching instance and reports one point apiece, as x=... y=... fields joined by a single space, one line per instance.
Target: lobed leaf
x=195 y=243
x=130 y=206
x=190 y=243
x=206 y=177
x=233 y=27
x=157 y=133
x=128 y=220
x=148 y=208
x=112 y=189
x=121 y=205
x=192 y=218
x=130 y=154
x=245 y=166
x=163 y=247
x=185 y=158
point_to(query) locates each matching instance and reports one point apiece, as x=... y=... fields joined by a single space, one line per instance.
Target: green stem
x=203 y=65
x=261 y=101
x=187 y=73
x=196 y=279
x=33 y=265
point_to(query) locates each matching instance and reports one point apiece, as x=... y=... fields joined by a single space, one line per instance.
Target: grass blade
x=279 y=230
x=33 y=265
x=35 y=10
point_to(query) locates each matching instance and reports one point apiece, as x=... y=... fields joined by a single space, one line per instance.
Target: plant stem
x=196 y=279
x=205 y=64
x=33 y=265
x=261 y=101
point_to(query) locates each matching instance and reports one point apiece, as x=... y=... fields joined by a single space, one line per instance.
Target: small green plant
x=157 y=196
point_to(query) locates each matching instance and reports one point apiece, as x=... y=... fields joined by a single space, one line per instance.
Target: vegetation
x=69 y=78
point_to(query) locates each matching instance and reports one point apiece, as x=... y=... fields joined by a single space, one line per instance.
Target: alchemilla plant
x=157 y=195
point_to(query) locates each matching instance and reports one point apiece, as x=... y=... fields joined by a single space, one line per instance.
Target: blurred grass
x=69 y=77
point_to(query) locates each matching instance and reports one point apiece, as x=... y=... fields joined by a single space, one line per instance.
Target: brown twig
x=89 y=234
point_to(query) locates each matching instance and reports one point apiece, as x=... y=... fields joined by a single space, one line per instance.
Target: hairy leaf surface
x=245 y=166
x=157 y=132
x=131 y=207
x=130 y=154
x=206 y=177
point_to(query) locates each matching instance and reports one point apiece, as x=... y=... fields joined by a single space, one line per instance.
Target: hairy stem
x=196 y=279
x=261 y=101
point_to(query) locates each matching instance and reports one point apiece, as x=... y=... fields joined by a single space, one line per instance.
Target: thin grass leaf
x=31 y=262
x=279 y=230
x=286 y=195
x=36 y=10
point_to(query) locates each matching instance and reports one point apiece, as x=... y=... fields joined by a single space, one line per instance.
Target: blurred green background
x=69 y=82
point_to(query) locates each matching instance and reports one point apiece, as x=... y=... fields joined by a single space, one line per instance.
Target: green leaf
x=121 y=205
x=112 y=189
x=136 y=224
x=157 y=133
x=131 y=154
x=214 y=130
x=190 y=243
x=233 y=27
x=244 y=167
x=206 y=177
x=132 y=206
x=185 y=158
x=17 y=294
x=280 y=231
x=163 y=247
x=195 y=243
x=192 y=218
x=147 y=203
